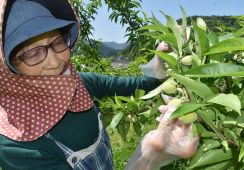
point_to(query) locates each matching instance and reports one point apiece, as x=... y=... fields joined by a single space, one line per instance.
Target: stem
x=228 y=85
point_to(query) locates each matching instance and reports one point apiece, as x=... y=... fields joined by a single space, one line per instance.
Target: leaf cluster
x=212 y=80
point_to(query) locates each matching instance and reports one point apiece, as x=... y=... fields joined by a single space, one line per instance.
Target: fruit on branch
x=188 y=118
x=186 y=34
x=134 y=119
x=169 y=86
x=175 y=103
x=187 y=60
x=128 y=118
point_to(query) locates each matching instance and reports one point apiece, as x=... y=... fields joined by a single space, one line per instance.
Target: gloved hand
x=156 y=67
x=169 y=142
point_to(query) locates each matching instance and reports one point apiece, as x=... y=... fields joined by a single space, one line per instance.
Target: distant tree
x=124 y=12
x=214 y=22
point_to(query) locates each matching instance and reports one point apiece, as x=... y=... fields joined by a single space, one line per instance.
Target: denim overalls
x=96 y=157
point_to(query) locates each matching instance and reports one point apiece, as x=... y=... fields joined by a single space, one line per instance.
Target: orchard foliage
x=206 y=71
x=209 y=71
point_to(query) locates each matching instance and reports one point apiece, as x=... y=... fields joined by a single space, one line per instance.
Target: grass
x=122 y=151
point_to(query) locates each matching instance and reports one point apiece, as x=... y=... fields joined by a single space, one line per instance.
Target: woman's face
x=53 y=64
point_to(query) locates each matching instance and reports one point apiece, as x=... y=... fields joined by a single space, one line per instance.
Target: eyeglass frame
x=46 y=47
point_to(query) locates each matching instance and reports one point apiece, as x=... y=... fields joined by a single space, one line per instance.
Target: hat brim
x=33 y=28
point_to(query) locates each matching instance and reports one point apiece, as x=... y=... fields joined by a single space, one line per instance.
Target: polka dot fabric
x=30 y=106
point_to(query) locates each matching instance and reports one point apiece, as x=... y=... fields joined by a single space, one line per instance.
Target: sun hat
x=27 y=19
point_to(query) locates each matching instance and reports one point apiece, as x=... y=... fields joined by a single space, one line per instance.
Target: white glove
x=156 y=67
x=169 y=142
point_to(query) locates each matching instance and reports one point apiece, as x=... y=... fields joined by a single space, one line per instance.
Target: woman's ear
x=15 y=61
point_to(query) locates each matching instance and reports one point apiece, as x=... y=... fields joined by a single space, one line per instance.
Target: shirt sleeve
x=33 y=155
x=100 y=85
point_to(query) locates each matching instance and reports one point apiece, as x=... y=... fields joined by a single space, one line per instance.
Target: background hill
x=114 y=45
x=111 y=48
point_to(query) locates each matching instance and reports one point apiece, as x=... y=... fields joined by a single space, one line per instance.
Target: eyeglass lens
x=38 y=54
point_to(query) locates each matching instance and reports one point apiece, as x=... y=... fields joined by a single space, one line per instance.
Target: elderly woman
x=47 y=116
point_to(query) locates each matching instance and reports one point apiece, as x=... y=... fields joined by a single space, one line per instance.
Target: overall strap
x=67 y=151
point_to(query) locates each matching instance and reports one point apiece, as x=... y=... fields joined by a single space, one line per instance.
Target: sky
x=106 y=30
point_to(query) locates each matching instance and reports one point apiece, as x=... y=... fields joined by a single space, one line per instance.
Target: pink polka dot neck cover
x=30 y=106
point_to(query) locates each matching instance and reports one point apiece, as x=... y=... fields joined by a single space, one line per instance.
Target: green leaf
x=242 y=98
x=125 y=99
x=155 y=107
x=225 y=144
x=223 y=165
x=202 y=43
x=239 y=33
x=240 y=120
x=123 y=129
x=211 y=144
x=170 y=60
x=116 y=119
x=226 y=37
x=155 y=27
x=170 y=39
x=241 y=155
x=197 y=156
x=201 y=24
x=137 y=127
x=204 y=133
x=197 y=87
x=118 y=101
x=186 y=108
x=213 y=157
x=146 y=113
x=229 y=100
x=184 y=22
x=154 y=35
x=216 y=70
x=154 y=92
x=171 y=23
x=234 y=44
x=210 y=123
x=139 y=93
x=213 y=38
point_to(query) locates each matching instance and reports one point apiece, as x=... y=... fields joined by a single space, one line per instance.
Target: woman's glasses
x=38 y=54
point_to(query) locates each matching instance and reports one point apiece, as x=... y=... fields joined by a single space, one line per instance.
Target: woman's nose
x=52 y=59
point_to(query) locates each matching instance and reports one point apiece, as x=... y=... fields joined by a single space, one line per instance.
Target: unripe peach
x=188 y=118
x=128 y=118
x=175 y=102
x=134 y=119
x=187 y=60
x=170 y=89
x=169 y=86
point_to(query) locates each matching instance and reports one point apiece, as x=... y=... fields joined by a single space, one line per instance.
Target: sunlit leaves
x=216 y=70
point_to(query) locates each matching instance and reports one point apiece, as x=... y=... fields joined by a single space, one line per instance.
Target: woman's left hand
x=170 y=141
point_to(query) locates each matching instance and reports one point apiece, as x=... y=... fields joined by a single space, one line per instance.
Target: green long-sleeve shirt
x=75 y=130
